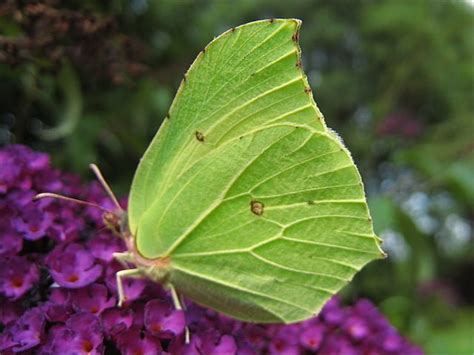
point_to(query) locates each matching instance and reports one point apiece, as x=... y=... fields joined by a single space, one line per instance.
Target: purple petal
x=226 y=345
x=338 y=344
x=139 y=311
x=9 y=312
x=117 y=320
x=134 y=341
x=58 y=308
x=103 y=246
x=392 y=342
x=17 y=276
x=60 y=296
x=87 y=333
x=256 y=335
x=11 y=242
x=57 y=312
x=283 y=345
x=312 y=337
x=82 y=334
x=26 y=333
x=72 y=266
x=133 y=287
x=356 y=327
x=93 y=298
x=333 y=313
x=32 y=222
x=210 y=342
x=161 y=318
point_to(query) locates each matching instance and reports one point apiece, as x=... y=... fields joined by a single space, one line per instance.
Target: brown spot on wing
x=199 y=136
x=296 y=36
x=256 y=207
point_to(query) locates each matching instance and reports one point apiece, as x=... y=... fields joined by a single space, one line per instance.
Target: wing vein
x=316 y=202
x=256 y=98
x=304 y=241
x=297 y=270
x=216 y=203
x=246 y=55
x=302 y=191
x=240 y=288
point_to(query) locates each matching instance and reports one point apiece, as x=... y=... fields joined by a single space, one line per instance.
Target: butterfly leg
x=121 y=274
x=123 y=258
x=179 y=306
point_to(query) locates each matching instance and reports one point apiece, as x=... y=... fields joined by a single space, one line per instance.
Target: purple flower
x=72 y=266
x=93 y=298
x=255 y=335
x=313 y=336
x=10 y=170
x=20 y=199
x=135 y=341
x=332 y=311
x=58 y=308
x=9 y=312
x=284 y=339
x=283 y=345
x=32 y=222
x=49 y=180
x=82 y=334
x=391 y=341
x=10 y=242
x=338 y=344
x=161 y=319
x=13 y=161
x=17 y=276
x=66 y=224
x=132 y=287
x=117 y=320
x=103 y=245
x=26 y=333
x=225 y=345
x=356 y=327
x=210 y=342
x=19 y=165
x=367 y=310
x=139 y=311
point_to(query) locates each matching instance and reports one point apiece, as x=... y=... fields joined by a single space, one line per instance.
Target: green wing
x=257 y=203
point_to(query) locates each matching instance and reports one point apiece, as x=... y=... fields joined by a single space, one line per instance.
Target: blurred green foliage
x=90 y=81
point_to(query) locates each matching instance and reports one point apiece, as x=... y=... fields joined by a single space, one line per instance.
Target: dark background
x=90 y=81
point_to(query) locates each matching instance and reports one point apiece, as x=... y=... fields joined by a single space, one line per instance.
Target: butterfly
x=245 y=201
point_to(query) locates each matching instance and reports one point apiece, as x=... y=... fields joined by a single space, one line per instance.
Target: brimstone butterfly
x=245 y=201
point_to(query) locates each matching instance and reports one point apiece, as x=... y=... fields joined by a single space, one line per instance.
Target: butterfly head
x=116 y=221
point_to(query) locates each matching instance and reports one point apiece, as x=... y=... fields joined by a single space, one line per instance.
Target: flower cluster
x=58 y=288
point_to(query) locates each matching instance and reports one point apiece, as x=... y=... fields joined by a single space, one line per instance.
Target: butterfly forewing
x=258 y=205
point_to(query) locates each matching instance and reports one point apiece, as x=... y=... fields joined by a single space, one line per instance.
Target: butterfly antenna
x=104 y=184
x=66 y=198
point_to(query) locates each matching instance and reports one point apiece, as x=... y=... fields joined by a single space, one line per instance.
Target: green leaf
x=255 y=202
